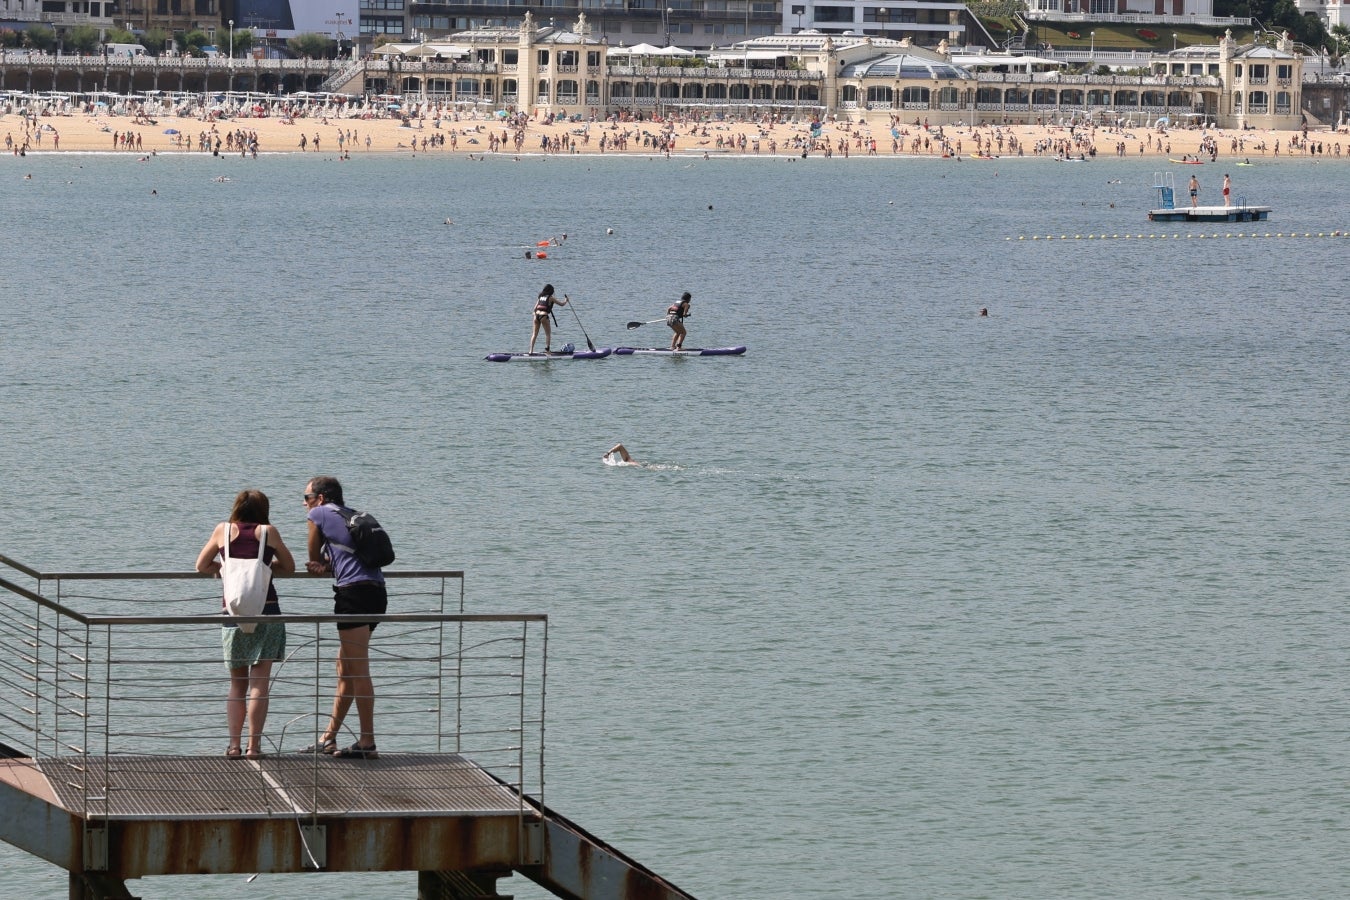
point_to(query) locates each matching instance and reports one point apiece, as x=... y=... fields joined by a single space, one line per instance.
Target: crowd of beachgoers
x=247 y=124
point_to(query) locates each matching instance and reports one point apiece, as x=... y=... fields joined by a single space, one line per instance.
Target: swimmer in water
x=618 y=456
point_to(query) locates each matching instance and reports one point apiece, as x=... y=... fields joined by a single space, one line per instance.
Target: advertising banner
x=281 y=19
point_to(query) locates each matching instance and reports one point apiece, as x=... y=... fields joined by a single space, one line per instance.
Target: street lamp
x=666 y=20
x=1174 y=42
x=883 y=19
x=1092 y=43
x=231 y=41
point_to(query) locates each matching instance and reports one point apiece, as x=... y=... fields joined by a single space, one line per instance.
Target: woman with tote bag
x=236 y=551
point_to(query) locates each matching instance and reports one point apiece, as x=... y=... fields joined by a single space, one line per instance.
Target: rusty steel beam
x=141 y=848
x=97 y=886
x=460 y=885
x=579 y=866
x=31 y=820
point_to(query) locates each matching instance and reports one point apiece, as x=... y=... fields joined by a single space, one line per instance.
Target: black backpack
x=370 y=542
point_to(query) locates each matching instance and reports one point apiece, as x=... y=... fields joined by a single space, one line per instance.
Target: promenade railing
x=103 y=667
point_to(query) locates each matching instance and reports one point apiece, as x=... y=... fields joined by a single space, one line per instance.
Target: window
x=834 y=14
x=377 y=25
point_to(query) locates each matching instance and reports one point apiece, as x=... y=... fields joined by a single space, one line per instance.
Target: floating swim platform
x=1168 y=211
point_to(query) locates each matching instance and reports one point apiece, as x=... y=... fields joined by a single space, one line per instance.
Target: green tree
x=1340 y=42
x=155 y=40
x=40 y=37
x=243 y=42
x=315 y=46
x=82 y=39
x=193 y=41
x=9 y=37
x=120 y=36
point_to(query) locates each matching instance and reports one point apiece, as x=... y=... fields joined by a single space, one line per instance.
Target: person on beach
x=1227 y=186
x=249 y=657
x=543 y=317
x=1195 y=191
x=357 y=590
x=676 y=313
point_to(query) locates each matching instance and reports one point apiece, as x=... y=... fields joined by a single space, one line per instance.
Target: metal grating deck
x=212 y=787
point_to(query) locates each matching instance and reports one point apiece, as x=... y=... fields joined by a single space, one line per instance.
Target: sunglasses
x=310 y=496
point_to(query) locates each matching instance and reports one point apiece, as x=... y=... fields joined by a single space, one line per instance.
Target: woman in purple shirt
x=357 y=590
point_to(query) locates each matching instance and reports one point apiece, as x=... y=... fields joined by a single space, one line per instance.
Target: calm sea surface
x=1049 y=604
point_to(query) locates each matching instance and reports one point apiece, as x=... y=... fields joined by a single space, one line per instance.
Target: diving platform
x=112 y=764
x=1168 y=211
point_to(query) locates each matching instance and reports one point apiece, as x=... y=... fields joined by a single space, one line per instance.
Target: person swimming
x=618 y=456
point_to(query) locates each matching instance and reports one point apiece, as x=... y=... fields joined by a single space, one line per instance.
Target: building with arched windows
x=568 y=72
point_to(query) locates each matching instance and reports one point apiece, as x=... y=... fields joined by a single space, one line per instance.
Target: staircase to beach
x=342 y=78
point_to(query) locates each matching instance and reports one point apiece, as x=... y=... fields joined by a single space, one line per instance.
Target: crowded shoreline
x=432 y=130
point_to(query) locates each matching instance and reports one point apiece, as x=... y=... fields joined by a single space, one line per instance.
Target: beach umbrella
x=170 y=130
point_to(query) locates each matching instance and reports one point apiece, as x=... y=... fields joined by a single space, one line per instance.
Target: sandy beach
x=156 y=134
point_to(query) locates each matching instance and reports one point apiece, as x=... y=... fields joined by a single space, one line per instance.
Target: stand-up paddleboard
x=663 y=351
x=599 y=353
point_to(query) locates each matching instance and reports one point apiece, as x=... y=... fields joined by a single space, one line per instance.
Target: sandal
x=327 y=746
x=356 y=751
x=255 y=754
x=233 y=753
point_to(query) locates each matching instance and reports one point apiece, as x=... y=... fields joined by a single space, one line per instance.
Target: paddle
x=632 y=325
x=572 y=306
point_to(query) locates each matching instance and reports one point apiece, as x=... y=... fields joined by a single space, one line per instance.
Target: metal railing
x=144 y=677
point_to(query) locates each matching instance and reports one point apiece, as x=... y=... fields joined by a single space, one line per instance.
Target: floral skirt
x=268 y=641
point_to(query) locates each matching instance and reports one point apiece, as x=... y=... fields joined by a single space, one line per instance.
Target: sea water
x=915 y=602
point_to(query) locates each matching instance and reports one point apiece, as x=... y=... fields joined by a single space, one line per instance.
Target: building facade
x=558 y=71
x=926 y=23
x=697 y=24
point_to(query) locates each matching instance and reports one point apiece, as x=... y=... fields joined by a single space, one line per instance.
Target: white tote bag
x=245 y=581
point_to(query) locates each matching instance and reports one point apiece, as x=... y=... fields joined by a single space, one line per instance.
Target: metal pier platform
x=112 y=763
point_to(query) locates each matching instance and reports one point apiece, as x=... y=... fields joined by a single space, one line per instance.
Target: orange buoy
x=541 y=255
x=542 y=244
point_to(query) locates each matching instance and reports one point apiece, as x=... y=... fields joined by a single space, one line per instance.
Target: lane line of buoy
x=1177 y=237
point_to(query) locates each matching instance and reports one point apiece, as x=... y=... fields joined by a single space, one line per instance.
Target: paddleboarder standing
x=676 y=313
x=543 y=315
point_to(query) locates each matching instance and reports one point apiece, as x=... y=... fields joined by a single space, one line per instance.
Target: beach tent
x=644 y=50
x=672 y=50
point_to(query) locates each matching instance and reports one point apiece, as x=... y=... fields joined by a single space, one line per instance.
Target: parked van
x=126 y=49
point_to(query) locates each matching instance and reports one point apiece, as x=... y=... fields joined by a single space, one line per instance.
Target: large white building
x=925 y=23
x=1331 y=12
